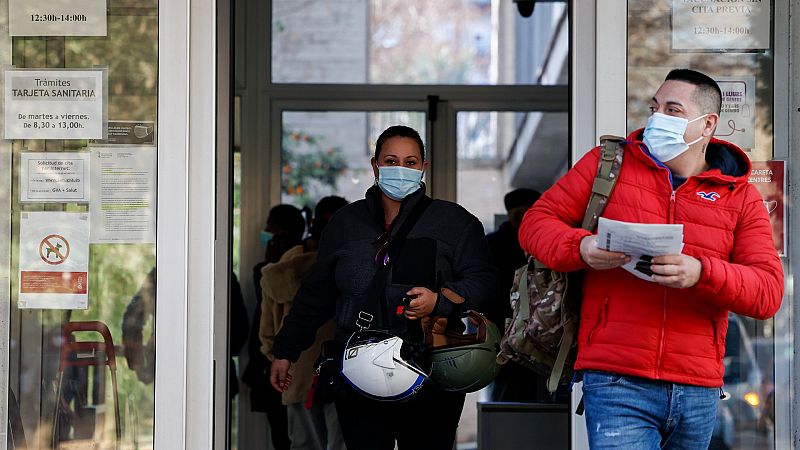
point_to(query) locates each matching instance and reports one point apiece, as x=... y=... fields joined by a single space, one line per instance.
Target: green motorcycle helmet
x=466 y=362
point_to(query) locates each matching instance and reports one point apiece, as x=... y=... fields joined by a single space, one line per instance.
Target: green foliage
x=304 y=159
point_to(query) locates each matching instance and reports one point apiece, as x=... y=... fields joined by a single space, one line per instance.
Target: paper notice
x=123 y=205
x=54 y=104
x=54 y=177
x=57 y=17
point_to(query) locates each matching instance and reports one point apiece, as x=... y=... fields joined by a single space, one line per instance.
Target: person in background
x=315 y=427
x=442 y=268
x=284 y=229
x=507 y=255
x=514 y=383
x=651 y=340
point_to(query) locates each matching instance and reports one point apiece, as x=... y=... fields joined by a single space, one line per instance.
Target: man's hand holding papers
x=598 y=258
x=654 y=251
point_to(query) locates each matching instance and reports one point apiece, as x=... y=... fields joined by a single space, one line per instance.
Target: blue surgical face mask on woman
x=664 y=135
x=266 y=236
x=398 y=182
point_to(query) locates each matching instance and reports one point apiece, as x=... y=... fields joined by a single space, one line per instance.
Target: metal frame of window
x=186 y=242
x=787 y=409
x=5 y=252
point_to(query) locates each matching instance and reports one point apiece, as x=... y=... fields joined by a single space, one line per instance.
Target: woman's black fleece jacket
x=446 y=248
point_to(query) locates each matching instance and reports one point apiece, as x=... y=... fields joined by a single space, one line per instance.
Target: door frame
x=191 y=361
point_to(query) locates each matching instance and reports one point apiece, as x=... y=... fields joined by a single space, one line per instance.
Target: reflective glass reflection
x=471 y=42
x=501 y=151
x=328 y=153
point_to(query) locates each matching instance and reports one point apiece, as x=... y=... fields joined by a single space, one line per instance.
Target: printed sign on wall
x=57 y=17
x=769 y=177
x=708 y=25
x=126 y=132
x=54 y=104
x=737 y=121
x=124 y=203
x=54 y=177
x=53 y=260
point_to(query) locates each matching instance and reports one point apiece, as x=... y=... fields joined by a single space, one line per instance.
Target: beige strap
x=563 y=350
x=604 y=180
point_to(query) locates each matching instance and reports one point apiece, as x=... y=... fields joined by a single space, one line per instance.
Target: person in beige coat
x=316 y=427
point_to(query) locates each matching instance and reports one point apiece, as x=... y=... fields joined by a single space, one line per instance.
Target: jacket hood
x=282 y=279
x=728 y=163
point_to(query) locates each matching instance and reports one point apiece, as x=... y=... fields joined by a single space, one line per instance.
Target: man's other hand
x=676 y=271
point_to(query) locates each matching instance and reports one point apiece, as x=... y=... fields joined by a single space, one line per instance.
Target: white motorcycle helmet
x=372 y=365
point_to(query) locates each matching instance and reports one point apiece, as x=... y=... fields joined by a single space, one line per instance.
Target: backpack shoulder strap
x=608 y=167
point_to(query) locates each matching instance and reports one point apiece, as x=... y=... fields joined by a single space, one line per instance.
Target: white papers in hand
x=641 y=241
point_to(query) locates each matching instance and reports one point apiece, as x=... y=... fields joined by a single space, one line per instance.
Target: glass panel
x=501 y=151
x=745 y=77
x=328 y=153
x=471 y=42
x=233 y=424
x=734 y=49
x=82 y=212
x=237 y=182
x=497 y=153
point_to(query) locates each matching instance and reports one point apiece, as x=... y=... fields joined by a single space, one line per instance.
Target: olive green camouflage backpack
x=546 y=304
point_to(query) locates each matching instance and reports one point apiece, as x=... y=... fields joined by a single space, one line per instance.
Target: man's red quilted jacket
x=639 y=328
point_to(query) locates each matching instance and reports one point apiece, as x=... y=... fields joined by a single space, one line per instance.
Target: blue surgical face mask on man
x=266 y=236
x=398 y=182
x=664 y=136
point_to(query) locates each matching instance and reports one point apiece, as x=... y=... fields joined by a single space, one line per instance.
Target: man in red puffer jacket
x=650 y=351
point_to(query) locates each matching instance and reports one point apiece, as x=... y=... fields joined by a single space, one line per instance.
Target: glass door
x=79 y=189
x=504 y=160
x=327 y=151
x=321 y=80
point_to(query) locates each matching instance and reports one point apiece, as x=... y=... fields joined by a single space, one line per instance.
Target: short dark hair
x=326 y=206
x=323 y=213
x=399 y=131
x=707 y=93
x=289 y=219
x=520 y=197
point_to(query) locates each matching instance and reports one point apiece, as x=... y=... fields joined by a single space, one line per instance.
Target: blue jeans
x=640 y=414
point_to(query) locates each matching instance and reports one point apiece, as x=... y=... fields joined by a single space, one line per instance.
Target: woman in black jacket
x=442 y=264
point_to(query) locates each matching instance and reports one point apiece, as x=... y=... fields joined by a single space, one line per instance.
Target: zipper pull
x=672 y=197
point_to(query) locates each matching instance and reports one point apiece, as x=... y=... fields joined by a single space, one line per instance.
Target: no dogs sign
x=54 y=260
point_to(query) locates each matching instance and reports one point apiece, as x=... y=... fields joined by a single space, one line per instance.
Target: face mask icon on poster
x=142 y=131
x=398 y=182
x=664 y=136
